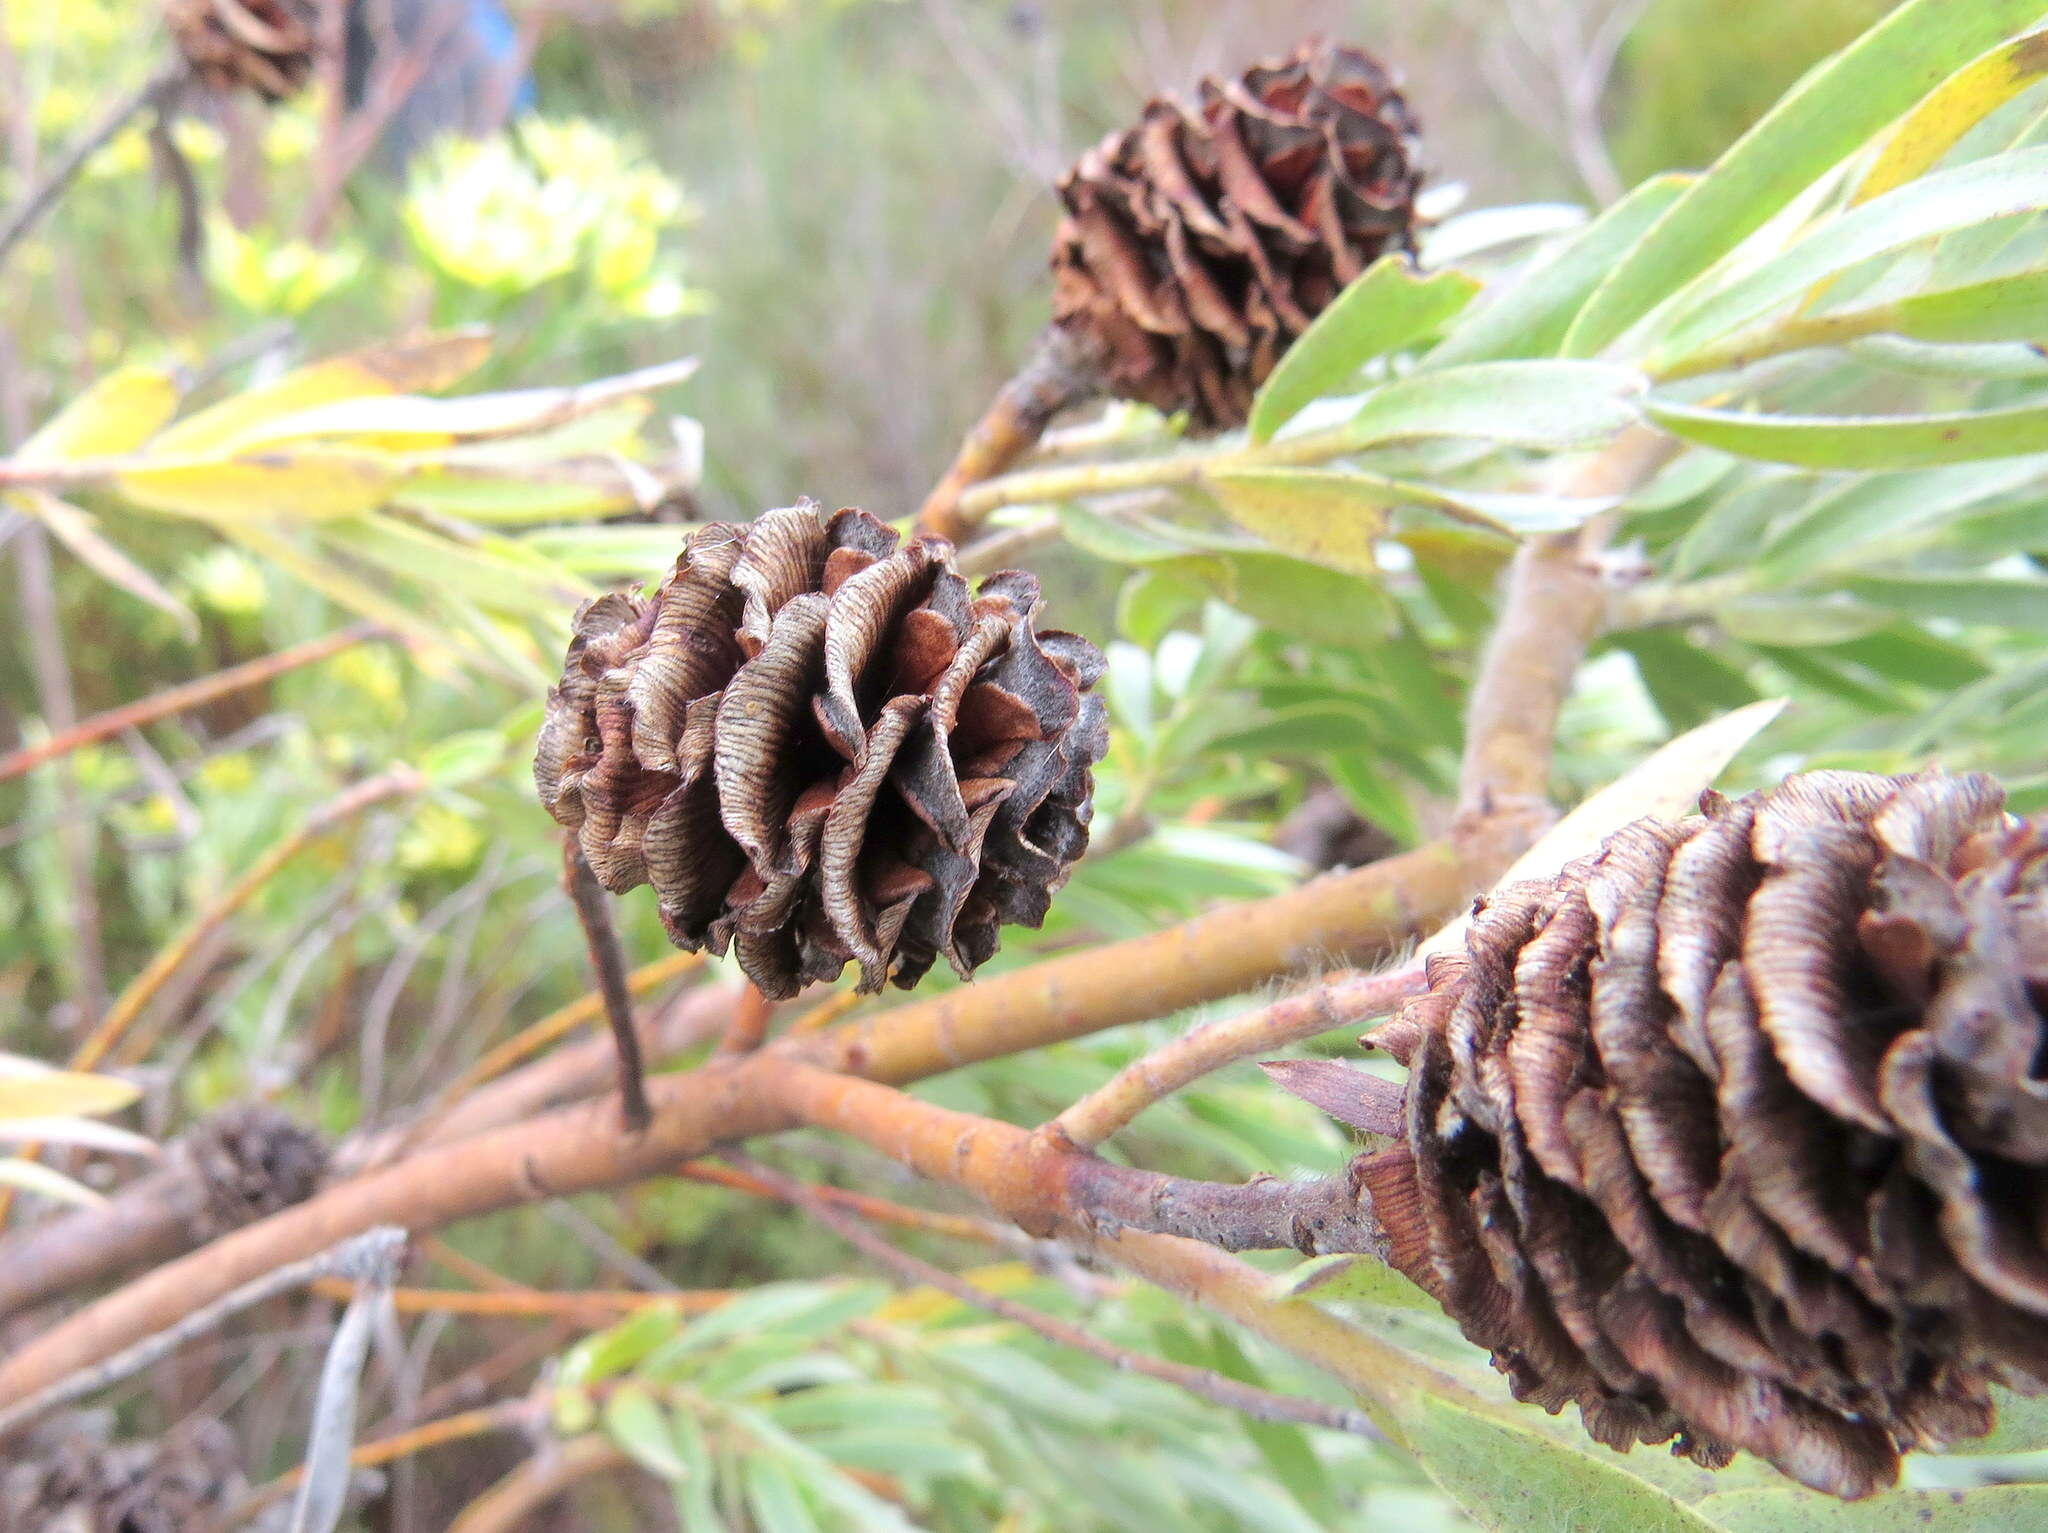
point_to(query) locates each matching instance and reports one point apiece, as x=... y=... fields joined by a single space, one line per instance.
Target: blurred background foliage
x=840 y=208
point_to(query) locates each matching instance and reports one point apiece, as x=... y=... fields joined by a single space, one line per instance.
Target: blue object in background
x=470 y=83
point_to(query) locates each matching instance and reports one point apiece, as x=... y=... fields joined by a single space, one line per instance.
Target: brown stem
x=1041 y=1183
x=748 y=1028
x=1553 y=608
x=191 y=694
x=1247 y=1399
x=1057 y=375
x=876 y=1210
x=1348 y=999
x=577 y=1149
x=608 y=960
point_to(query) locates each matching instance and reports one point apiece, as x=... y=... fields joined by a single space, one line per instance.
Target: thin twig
x=590 y=1306
x=748 y=1028
x=1222 y=952
x=361 y=1256
x=175 y=954
x=186 y=696
x=512 y=1415
x=608 y=961
x=1246 y=1399
x=41 y=197
x=876 y=1210
x=1348 y=999
x=1057 y=375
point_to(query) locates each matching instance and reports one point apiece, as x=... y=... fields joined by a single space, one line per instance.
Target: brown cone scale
x=1736 y=1132
x=820 y=748
x=1198 y=244
x=264 y=46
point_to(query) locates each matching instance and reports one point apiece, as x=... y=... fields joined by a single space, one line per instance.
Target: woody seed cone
x=1198 y=244
x=821 y=748
x=1736 y=1132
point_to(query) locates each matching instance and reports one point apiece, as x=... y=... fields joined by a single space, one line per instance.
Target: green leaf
x=2011 y=602
x=2022 y=1426
x=1523 y=404
x=1834 y=618
x=637 y=1424
x=788 y=1311
x=1482 y=229
x=1529 y=316
x=891 y=1448
x=1840 y=527
x=1688 y=684
x=773 y=1498
x=1987 y=1509
x=1951 y=109
x=2010 y=308
x=1027 y=1385
x=616 y=1349
x=1961 y=198
x=463 y=758
x=1517 y=1481
x=695 y=1509
x=1389 y=306
x=1323 y=1278
x=1822 y=120
x=1862 y=441
x=1323 y=515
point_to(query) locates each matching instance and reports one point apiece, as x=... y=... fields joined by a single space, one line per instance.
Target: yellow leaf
x=115 y=415
x=1951 y=109
x=64 y=1094
x=77 y=531
x=403 y=367
x=1322 y=515
x=289 y=484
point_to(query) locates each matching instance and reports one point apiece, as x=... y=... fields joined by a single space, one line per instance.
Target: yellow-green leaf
x=1986 y=1509
x=403 y=367
x=1516 y=1481
x=1329 y=517
x=1322 y=1278
x=77 y=531
x=288 y=484
x=115 y=415
x=1952 y=108
x=64 y=1094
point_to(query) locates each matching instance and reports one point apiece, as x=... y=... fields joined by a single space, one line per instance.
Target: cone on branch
x=264 y=46
x=69 y=1476
x=820 y=747
x=1736 y=1132
x=1196 y=245
x=249 y=1161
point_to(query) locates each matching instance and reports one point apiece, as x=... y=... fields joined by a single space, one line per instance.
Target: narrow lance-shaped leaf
x=115 y=415
x=1951 y=109
x=1861 y=441
x=78 y=532
x=1977 y=193
x=1389 y=306
x=1525 y=404
x=406 y=367
x=1530 y=316
x=1822 y=120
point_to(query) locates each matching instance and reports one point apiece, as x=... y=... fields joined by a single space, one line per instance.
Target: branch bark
x=581 y=1148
